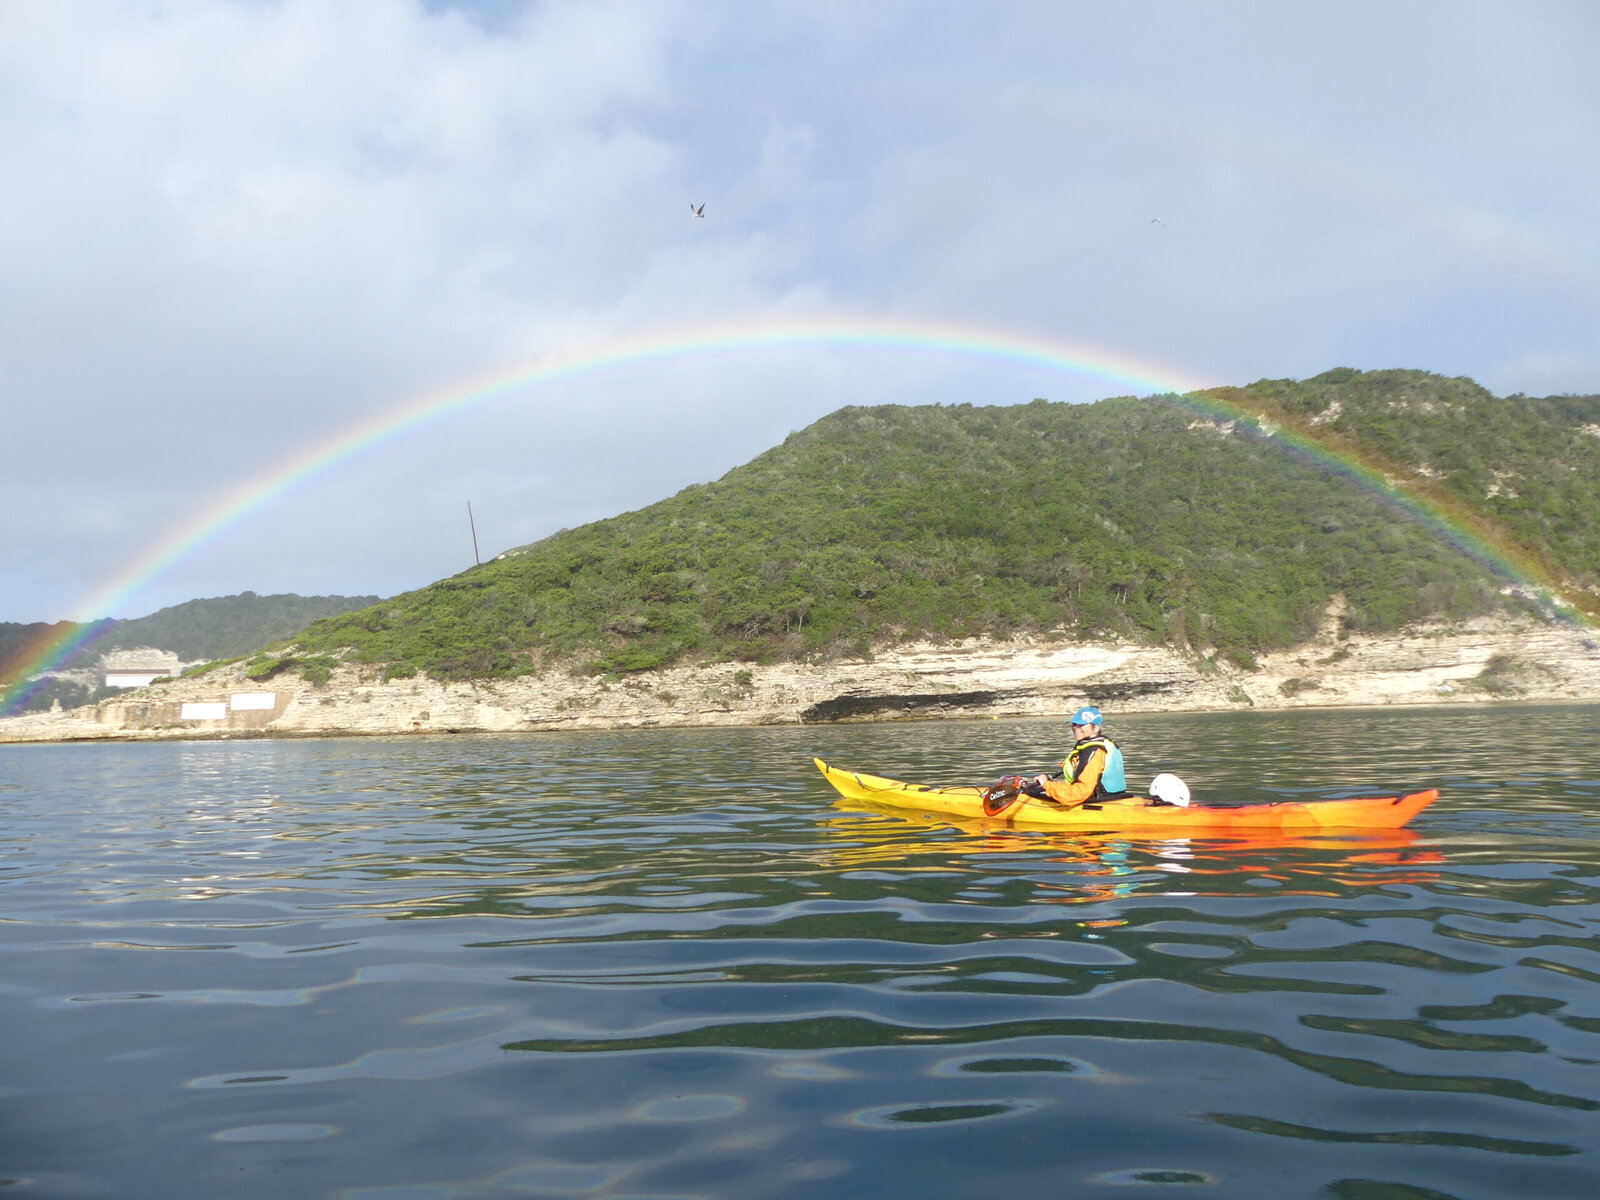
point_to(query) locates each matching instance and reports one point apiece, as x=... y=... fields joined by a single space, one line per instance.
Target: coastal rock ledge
x=1473 y=662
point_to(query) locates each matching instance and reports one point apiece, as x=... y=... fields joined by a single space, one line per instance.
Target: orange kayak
x=1136 y=814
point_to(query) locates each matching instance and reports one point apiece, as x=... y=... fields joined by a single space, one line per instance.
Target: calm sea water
x=666 y=964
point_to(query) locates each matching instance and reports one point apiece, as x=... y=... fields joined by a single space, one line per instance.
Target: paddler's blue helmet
x=1088 y=716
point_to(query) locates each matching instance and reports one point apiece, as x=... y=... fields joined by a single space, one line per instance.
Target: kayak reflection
x=866 y=836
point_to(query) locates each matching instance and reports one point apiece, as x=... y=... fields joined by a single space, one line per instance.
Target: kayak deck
x=1135 y=814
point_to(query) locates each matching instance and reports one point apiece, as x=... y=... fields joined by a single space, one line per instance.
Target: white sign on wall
x=243 y=701
x=204 y=711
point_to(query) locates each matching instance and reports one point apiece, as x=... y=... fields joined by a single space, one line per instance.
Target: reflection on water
x=1101 y=867
x=669 y=964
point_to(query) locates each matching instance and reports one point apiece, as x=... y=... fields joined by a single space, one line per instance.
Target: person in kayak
x=1092 y=770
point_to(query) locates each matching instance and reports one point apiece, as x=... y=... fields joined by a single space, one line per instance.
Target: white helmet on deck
x=1171 y=789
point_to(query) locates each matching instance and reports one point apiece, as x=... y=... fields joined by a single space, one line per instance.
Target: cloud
x=240 y=227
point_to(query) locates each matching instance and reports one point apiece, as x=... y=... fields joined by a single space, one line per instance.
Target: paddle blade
x=1000 y=796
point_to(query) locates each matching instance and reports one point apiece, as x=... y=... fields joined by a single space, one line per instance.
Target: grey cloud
x=245 y=228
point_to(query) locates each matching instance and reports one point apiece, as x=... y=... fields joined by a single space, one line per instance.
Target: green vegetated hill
x=228 y=625
x=218 y=627
x=1153 y=518
x=1521 y=471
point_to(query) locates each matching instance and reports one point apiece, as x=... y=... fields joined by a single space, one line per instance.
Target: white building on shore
x=138 y=667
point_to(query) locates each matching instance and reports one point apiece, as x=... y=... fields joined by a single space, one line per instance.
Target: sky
x=289 y=284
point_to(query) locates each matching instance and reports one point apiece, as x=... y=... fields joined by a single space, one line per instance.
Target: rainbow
x=662 y=345
x=1423 y=500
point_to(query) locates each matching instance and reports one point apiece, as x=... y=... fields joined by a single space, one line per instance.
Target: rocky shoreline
x=1475 y=662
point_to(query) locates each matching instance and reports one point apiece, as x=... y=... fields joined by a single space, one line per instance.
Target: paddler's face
x=1079 y=732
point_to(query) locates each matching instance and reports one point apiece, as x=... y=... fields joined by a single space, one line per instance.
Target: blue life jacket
x=1113 y=781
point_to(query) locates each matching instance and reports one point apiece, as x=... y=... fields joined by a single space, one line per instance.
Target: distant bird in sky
x=697 y=210
x=1157 y=221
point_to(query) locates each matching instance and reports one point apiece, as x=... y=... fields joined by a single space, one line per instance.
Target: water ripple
x=666 y=963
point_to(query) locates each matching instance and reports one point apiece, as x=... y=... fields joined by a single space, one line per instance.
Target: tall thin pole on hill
x=471 y=524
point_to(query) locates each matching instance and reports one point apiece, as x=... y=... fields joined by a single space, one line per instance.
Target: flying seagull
x=697 y=210
x=1157 y=221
